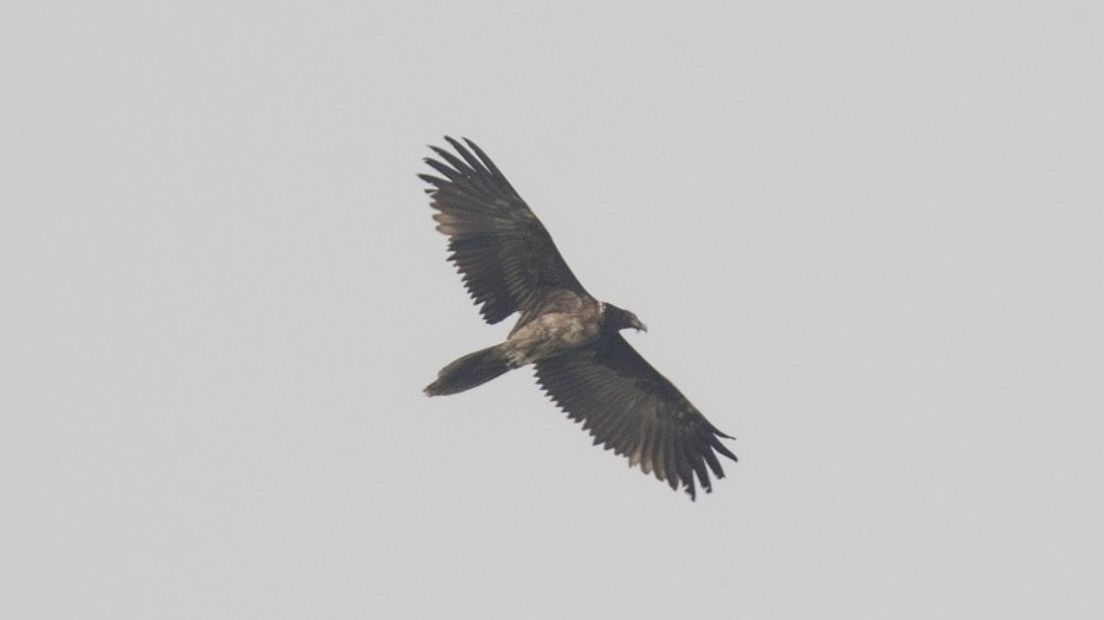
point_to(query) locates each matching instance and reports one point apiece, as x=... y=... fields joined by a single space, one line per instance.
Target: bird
x=509 y=264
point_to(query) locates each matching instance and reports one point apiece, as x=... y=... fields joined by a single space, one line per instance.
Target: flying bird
x=510 y=265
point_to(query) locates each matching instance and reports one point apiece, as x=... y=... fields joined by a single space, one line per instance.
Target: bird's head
x=617 y=319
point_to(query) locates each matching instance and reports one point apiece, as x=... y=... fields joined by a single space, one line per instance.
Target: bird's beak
x=640 y=327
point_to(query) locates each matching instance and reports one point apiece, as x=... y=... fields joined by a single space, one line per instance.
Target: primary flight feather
x=510 y=264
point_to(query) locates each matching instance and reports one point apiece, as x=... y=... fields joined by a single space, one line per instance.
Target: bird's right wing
x=627 y=405
x=507 y=258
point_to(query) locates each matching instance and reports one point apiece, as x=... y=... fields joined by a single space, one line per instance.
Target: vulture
x=510 y=265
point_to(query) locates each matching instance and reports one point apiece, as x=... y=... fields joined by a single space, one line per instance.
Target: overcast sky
x=866 y=238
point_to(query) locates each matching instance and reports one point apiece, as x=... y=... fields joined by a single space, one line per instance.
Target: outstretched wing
x=627 y=405
x=506 y=256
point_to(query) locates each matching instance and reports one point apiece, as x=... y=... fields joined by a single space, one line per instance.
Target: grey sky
x=866 y=239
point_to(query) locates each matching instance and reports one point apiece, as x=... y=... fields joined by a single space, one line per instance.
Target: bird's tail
x=469 y=371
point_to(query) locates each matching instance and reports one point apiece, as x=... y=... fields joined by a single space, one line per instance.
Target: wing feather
x=505 y=256
x=627 y=405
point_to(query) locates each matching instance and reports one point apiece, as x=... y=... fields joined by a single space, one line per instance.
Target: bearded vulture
x=509 y=264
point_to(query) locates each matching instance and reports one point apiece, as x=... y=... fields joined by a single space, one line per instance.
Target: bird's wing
x=507 y=258
x=627 y=405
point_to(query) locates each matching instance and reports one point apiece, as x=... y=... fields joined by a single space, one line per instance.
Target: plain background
x=866 y=236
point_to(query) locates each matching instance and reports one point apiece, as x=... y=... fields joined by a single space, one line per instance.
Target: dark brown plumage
x=510 y=264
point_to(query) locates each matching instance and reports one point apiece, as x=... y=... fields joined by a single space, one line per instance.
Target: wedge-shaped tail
x=469 y=371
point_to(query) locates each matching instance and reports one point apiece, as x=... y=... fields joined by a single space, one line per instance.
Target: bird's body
x=564 y=322
x=510 y=264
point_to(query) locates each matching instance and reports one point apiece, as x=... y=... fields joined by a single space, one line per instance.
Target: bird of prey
x=510 y=265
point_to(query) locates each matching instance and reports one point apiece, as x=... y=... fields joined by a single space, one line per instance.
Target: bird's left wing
x=506 y=256
x=627 y=405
